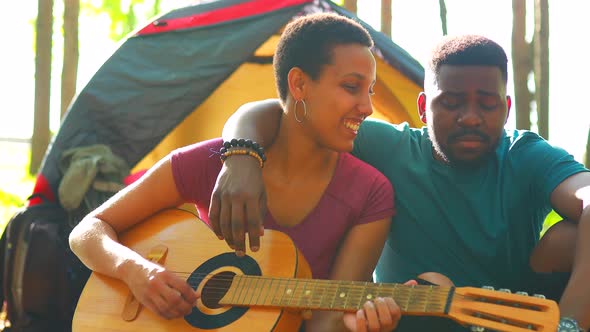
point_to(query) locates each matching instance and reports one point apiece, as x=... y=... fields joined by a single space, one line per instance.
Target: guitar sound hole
x=215 y=288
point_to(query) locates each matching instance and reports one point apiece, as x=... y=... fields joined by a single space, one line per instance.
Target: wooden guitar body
x=193 y=250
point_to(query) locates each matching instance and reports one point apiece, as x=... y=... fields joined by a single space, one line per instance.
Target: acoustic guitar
x=265 y=290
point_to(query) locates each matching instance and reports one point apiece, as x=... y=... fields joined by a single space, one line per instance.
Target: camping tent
x=177 y=80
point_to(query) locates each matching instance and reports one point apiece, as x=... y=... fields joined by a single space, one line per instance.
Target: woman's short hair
x=307 y=43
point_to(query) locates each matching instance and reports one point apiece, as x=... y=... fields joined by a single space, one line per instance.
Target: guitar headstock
x=485 y=308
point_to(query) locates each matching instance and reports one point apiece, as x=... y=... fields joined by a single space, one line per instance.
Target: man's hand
x=381 y=315
x=238 y=203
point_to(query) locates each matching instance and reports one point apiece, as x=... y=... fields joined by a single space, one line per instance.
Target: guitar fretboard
x=332 y=295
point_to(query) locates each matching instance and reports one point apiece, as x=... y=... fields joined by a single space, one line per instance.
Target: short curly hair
x=467 y=50
x=307 y=43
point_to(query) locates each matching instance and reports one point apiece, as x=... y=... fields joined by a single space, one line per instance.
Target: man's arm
x=239 y=193
x=356 y=259
x=571 y=198
x=258 y=121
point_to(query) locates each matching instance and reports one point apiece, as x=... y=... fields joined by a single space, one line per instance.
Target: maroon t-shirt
x=357 y=194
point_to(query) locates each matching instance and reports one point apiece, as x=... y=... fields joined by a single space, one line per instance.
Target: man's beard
x=448 y=157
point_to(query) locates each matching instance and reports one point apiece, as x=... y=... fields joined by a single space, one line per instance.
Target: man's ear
x=422 y=106
x=508 y=106
x=296 y=80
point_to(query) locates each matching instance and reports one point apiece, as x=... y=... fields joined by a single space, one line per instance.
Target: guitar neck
x=334 y=295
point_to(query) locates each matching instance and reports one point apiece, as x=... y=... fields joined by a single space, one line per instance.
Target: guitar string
x=330 y=283
x=416 y=295
x=349 y=284
x=355 y=289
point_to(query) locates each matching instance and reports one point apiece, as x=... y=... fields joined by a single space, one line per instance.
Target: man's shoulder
x=380 y=132
x=378 y=125
x=519 y=136
x=518 y=141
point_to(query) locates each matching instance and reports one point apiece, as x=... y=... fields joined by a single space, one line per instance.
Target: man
x=471 y=196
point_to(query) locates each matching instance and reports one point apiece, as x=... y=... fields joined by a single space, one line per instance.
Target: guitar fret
x=279 y=293
x=269 y=291
x=294 y=291
x=349 y=290
x=242 y=282
x=409 y=300
x=325 y=288
x=233 y=289
x=362 y=297
x=288 y=292
x=311 y=301
x=427 y=298
x=305 y=296
x=261 y=289
x=339 y=294
x=247 y=290
x=254 y=289
x=319 y=297
x=335 y=291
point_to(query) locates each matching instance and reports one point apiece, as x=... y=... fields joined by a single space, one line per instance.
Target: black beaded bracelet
x=243 y=143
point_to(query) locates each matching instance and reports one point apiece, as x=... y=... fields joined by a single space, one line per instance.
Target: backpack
x=41 y=279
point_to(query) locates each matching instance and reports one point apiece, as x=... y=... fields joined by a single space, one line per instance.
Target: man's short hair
x=468 y=50
x=307 y=43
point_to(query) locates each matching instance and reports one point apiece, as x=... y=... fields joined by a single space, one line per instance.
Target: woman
x=325 y=73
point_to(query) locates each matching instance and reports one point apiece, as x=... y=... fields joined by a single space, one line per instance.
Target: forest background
x=52 y=48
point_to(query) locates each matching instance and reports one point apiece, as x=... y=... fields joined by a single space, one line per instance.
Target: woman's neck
x=295 y=155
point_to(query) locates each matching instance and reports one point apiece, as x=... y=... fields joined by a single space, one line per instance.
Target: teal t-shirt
x=478 y=227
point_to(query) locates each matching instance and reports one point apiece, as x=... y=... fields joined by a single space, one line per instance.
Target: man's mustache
x=468 y=132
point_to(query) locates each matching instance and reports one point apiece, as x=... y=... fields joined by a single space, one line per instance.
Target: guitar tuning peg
x=477 y=329
x=488 y=287
x=540 y=296
x=504 y=290
x=522 y=293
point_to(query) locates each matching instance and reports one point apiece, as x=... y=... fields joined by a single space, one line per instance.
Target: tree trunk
x=351 y=6
x=443 y=16
x=44 y=32
x=541 y=65
x=386 y=17
x=69 y=72
x=587 y=159
x=521 y=65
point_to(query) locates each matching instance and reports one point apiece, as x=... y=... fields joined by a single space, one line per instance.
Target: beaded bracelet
x=248 y=146
x=245 y=152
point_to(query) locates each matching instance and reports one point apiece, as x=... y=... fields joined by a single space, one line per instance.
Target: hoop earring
x=304 y=110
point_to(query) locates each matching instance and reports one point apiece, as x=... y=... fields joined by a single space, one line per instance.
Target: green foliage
x=124 y=15
x=16 y=184
x=551 y=219
x=7 y=199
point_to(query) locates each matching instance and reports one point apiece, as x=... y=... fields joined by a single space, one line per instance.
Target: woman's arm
x=95 y=241
x=356 y=260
